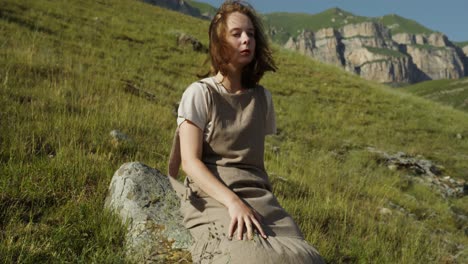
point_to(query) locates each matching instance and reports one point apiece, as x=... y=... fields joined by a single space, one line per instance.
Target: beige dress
x=233 y=152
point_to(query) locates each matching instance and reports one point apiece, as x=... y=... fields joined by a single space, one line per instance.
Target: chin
x=245 y=62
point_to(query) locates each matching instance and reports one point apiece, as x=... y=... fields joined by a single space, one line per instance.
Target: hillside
x=64 y=70
x=449 y=92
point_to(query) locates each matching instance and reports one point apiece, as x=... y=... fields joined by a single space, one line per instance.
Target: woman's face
x=241 y=38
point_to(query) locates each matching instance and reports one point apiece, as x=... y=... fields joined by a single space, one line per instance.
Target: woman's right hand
x=242 y=215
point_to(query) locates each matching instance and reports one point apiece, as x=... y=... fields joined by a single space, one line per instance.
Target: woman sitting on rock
x=227 y=199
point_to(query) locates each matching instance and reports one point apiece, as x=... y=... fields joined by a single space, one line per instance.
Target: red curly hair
x=220 y=51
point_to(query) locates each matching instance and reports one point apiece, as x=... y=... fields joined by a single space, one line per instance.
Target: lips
x=245 y=52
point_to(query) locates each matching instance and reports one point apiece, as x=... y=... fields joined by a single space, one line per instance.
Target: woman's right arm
x=191 y=145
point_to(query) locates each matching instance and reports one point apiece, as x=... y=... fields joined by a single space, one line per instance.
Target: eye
x=251 y=34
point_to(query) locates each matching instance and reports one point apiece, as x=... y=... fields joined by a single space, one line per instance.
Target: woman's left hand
x=242 y=215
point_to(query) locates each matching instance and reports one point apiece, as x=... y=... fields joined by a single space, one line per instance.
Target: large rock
x=382 y=68
x=438 y=40
x=437 y=62
x=324 y=45
x=404 y=38
x=145 y=201
x=328 y=47
x=305 y=43
x=465 y=59
x=367 y=34
x=425 y=171
x=434 y=39
x=465 y=50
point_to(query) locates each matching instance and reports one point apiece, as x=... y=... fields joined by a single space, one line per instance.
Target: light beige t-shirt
x=196 y=100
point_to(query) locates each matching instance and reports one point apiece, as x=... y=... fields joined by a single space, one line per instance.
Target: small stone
x=447 y=178
x=118 y=134
x=385 y=211
x=276 y=150
x=459 y=136
x=188 y=40
x=392 y=167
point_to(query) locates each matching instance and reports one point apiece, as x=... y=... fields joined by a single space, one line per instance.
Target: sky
x=447 y=16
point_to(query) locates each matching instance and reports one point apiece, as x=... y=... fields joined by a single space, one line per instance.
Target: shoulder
x=265 y=91
x=203 y=85
x=196 y=91
x=198 y=87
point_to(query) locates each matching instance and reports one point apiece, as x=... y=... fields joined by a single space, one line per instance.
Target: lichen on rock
x=145 y=201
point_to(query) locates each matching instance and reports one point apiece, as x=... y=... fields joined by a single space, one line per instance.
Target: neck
x=231 y=81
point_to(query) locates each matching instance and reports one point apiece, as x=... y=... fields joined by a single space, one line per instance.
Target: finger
x=258 y=216
x=259 y=228
x=240 y=228
x=232 y=227
x=248 y=224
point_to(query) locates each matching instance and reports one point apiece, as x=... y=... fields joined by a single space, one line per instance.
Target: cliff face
x=465 y=51
x=384 y=68
x=323 y=45
x=369 y=50
x=434 y=55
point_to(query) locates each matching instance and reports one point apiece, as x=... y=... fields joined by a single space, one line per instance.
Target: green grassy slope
x=61 y=92
x=461 y=44
x=449 y=92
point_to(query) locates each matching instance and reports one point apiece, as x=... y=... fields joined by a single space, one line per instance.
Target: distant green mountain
x=449 y=92
x=398 y=24
x=285 y=25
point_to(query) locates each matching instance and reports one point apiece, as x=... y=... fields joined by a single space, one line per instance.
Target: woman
x=227 y=201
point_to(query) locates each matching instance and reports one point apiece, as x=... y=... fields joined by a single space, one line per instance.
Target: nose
x=245 y=38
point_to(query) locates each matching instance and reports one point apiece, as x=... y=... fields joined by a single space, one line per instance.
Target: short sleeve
x=194 y=105
x=271 y=118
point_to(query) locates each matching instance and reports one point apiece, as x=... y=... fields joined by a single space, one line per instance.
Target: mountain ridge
x=407 y=52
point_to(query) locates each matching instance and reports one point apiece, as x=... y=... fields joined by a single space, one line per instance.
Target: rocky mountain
x=372 y=51
x=389 y=49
